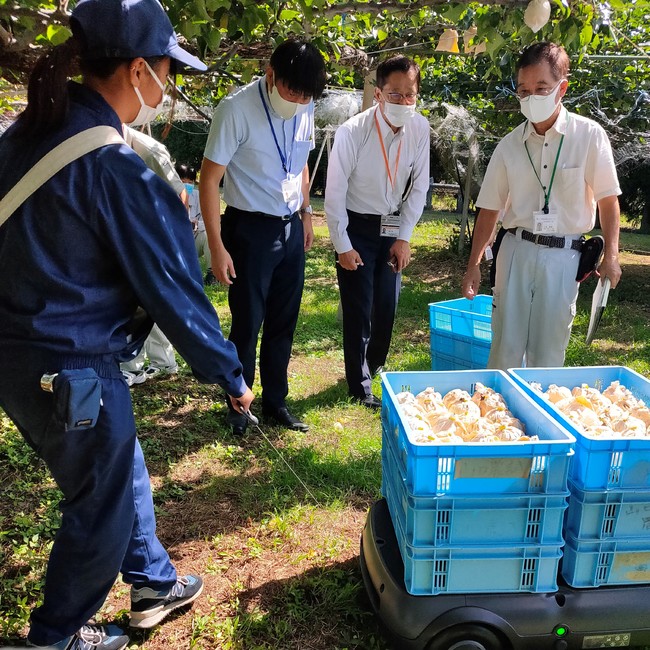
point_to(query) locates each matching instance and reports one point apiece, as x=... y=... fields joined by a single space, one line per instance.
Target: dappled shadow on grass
x=323 y=608
x=254 y=482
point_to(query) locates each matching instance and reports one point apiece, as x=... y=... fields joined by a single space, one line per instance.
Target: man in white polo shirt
x=259 y=143
x=548 y=175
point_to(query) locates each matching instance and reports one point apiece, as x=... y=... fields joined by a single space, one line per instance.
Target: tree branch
x=395 y=5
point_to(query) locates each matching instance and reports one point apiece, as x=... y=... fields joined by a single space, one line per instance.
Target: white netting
x=336 y=106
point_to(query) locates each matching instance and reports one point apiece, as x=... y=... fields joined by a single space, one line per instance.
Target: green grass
x=279 y=553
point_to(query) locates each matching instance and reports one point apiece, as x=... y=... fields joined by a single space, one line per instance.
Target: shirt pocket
x=301 y=149
x=570 y=185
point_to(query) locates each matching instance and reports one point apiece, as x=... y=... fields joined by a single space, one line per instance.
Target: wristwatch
x=308 y=209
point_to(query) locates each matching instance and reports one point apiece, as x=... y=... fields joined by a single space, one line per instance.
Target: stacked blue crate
x=607 y=526
x=475 y=517
x=461 y=333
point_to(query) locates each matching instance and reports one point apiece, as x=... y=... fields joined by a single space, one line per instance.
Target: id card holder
x=291 y=188
x=545 y=223
x=390 y=225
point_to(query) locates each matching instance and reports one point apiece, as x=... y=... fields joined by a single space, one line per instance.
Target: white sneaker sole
x=150 y=618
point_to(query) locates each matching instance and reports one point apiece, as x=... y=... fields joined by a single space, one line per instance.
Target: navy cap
x=123 y=29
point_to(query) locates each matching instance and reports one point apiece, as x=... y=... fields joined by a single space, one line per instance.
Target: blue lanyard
x=283 y=158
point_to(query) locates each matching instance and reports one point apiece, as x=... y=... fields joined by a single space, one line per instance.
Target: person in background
x=188 y=176
x=156 y=349
x=377 y=180
x=549 y=175
x=80 y=258
x=259 y=142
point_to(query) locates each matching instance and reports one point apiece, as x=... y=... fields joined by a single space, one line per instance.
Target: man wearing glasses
x=377 y=180
x=548 y=175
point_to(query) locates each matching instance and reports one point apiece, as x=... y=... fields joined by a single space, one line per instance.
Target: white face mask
x=283 y=107
x=539 y=108
x=398 y=114
x=147 y=113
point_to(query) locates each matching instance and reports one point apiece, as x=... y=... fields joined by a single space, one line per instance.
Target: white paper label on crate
x=493 y=468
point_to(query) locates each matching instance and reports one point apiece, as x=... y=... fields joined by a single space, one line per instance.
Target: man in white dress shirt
x=377 y=180
x=548 y=175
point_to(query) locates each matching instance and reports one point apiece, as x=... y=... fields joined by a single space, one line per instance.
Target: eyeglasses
x=541 y=92
x=396 y=98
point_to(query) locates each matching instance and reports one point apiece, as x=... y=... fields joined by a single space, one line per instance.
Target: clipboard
x=598 y=303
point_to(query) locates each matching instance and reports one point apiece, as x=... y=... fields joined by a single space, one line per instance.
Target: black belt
x=247 y=213
x=547 y=240
x=365 y=217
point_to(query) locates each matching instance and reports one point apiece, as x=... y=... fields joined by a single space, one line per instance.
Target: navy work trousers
x=268 y=254
x=368 y=300
x=108 y=522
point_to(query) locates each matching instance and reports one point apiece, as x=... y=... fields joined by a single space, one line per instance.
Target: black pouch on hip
x=77 y=398
x=590 y=254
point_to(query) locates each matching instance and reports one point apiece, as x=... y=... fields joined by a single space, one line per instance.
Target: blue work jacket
x=101 y=238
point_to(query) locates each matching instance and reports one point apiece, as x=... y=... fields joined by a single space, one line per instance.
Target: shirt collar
x=559 y=126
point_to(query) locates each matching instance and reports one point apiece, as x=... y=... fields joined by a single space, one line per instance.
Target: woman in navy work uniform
x=99 y=239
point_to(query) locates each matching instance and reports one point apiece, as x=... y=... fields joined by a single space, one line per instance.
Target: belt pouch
x=590 y=254
x=77 y=398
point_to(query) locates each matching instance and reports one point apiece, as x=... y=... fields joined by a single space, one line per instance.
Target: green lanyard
x=547 y=195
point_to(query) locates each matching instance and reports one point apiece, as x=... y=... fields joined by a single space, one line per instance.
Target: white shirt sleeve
x=341 y=162
x=494 y=191
x=411 y=209
x=600 y=170
x=224 y=138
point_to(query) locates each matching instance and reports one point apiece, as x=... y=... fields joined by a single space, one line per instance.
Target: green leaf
x=453 y=11
x=586 y=35
x=57 y=34
x=289 y=14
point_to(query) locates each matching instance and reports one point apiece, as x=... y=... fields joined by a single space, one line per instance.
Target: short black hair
x=185 y=171
x=301 y=66
x=554 y=55
x=398 y=63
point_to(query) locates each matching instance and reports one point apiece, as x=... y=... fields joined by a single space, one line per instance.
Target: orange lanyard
x=391 y=177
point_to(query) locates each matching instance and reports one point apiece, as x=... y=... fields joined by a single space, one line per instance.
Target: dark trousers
x=368 y=299
x=108 y=524
x=269 y=259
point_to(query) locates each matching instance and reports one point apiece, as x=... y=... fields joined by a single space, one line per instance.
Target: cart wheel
x=468 y=637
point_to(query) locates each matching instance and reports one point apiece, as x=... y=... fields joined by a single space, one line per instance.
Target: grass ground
x=279 y=554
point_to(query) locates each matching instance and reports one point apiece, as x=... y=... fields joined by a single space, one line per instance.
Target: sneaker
x=132 y=378
x=209 y=279
x=104 y=637
x=153 y=371
x=149 y=607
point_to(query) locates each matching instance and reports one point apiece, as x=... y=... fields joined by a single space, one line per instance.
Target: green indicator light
x=560 y=631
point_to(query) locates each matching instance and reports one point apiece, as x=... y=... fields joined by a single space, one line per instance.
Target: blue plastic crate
x=461 y=333
x=610 y=562
x=476 y=468
x=596 y=515
x=452 y=352
x=443 y=362
x=597 y=464
x=480 y=520
x=464 y=317
x=430 y=571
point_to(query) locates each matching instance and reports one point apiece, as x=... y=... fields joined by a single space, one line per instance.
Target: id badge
x=390 y=225
x=545 y=223
x=291 y=188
